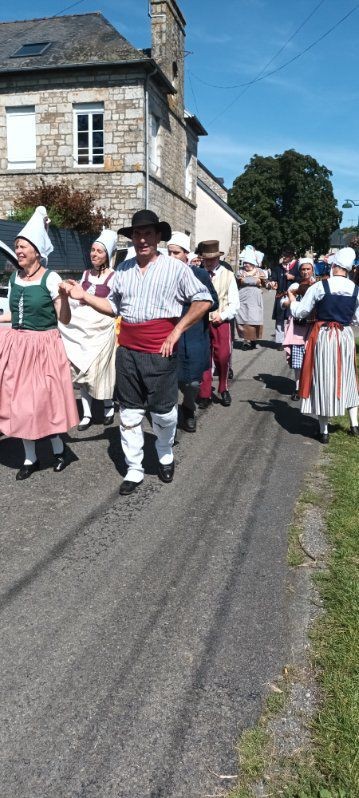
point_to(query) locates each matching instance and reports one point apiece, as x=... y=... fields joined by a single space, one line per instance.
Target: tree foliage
x=66 y=205
x=288 y=202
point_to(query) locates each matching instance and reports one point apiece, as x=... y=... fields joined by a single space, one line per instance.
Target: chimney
x=168 y=40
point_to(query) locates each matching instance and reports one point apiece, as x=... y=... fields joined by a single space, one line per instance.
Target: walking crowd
x=159 y=324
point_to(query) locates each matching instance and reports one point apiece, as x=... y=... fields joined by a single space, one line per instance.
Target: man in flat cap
x=149 y=292
x=225 y=284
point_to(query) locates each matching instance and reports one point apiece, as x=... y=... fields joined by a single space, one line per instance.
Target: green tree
x=288 y=202
x=66 y=205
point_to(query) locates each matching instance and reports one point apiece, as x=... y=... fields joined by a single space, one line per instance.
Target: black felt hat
x=147 y=218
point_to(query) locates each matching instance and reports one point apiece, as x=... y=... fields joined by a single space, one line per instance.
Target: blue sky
x=310 y=105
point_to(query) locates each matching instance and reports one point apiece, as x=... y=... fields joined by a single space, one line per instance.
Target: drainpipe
x=147 y=136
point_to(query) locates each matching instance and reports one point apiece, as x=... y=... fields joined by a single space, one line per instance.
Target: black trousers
x=146 y=380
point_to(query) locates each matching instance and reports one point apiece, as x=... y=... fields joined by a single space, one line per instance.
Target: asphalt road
x=138 y=635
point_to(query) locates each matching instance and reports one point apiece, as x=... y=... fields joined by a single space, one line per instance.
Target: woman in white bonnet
x=250 y=279
x=328 y=381
x=36 y=396
x=90 y=338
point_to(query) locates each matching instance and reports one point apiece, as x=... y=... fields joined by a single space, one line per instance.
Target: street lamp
x=349 y=203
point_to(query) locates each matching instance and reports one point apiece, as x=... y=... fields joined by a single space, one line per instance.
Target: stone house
x=214 y=217
x=79 y=102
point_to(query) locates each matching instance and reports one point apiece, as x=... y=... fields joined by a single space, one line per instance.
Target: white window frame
x=87 y=109
x=154 y=143
x=28 y=140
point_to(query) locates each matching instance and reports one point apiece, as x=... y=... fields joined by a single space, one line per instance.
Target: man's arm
x=75 y=291
x=195 y=312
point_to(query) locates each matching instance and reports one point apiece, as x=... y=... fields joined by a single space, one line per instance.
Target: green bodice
x=31 y=306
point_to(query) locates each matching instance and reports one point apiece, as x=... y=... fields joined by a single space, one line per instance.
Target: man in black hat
x=149 y=292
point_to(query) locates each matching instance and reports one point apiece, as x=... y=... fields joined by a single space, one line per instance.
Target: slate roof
x=71 y=249
x=76 y=40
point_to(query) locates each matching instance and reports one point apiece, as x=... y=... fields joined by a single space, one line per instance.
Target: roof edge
x=220 y=201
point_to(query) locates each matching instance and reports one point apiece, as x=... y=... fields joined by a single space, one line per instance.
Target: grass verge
x=329 y=766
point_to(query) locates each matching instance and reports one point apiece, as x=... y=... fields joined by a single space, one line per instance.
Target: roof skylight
x=33 y=48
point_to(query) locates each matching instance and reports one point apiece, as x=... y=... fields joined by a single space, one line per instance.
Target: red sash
x=145 y=336
x=306 y=375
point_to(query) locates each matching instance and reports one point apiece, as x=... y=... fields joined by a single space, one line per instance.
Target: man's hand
x=170 y=342
x=73 y=289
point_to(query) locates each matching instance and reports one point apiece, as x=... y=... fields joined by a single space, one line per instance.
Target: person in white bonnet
x=36 y=398
x=90 y=338
x=194 y=344
x=328 y=382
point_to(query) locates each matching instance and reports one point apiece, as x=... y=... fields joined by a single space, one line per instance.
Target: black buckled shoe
x=203 y=402
x=61 y=460
x=354 y=431
x=166 y=472
x=108 y=420
x=226 y=398
x=26 y=470
x=323 y=437
x=84 y=423
x=127 y=487
x=295 y=397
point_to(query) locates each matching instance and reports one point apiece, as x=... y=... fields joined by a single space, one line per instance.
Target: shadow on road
x=290 y=418
x=275 y=382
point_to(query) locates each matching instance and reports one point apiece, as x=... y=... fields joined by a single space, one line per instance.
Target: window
x=188 y=177
x=21 y=137
x=88 y=134
x=35 y=48
x=154 y=150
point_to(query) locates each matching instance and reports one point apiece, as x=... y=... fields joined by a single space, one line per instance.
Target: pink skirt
x=36 y=394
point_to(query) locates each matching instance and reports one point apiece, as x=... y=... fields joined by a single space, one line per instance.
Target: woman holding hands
x=36 y=394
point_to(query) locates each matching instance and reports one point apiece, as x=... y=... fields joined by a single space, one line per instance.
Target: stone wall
x=210 y=181
x=120 y=184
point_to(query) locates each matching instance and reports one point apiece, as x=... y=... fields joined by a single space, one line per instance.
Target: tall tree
x=288 y=201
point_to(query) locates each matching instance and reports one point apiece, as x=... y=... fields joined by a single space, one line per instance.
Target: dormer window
x=30 y=49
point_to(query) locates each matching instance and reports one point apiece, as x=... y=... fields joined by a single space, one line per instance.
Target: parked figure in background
x=249 y=319
x=148 y=292
x=281 y=277
x=297 y=330
x=328 y=381
x=90 y=338
x=194 y=354
x=224 y=282
x=36 y=395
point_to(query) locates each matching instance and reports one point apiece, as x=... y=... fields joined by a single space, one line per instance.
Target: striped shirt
x=159 y=293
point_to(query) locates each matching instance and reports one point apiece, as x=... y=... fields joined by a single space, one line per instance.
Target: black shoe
x=189 y=424
x=230 y=374
x=26 y=470
x=226 y=398
x=354 y=431
x=280 y=348
x=246 y=345
x=61 y=461
x=165 y=472
x=108 y=420
x=295 y=397
x=253 y=345
x=84 y=423
x=127 y=487
x=203 y=403
x=188 y=420
x=323 y=437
